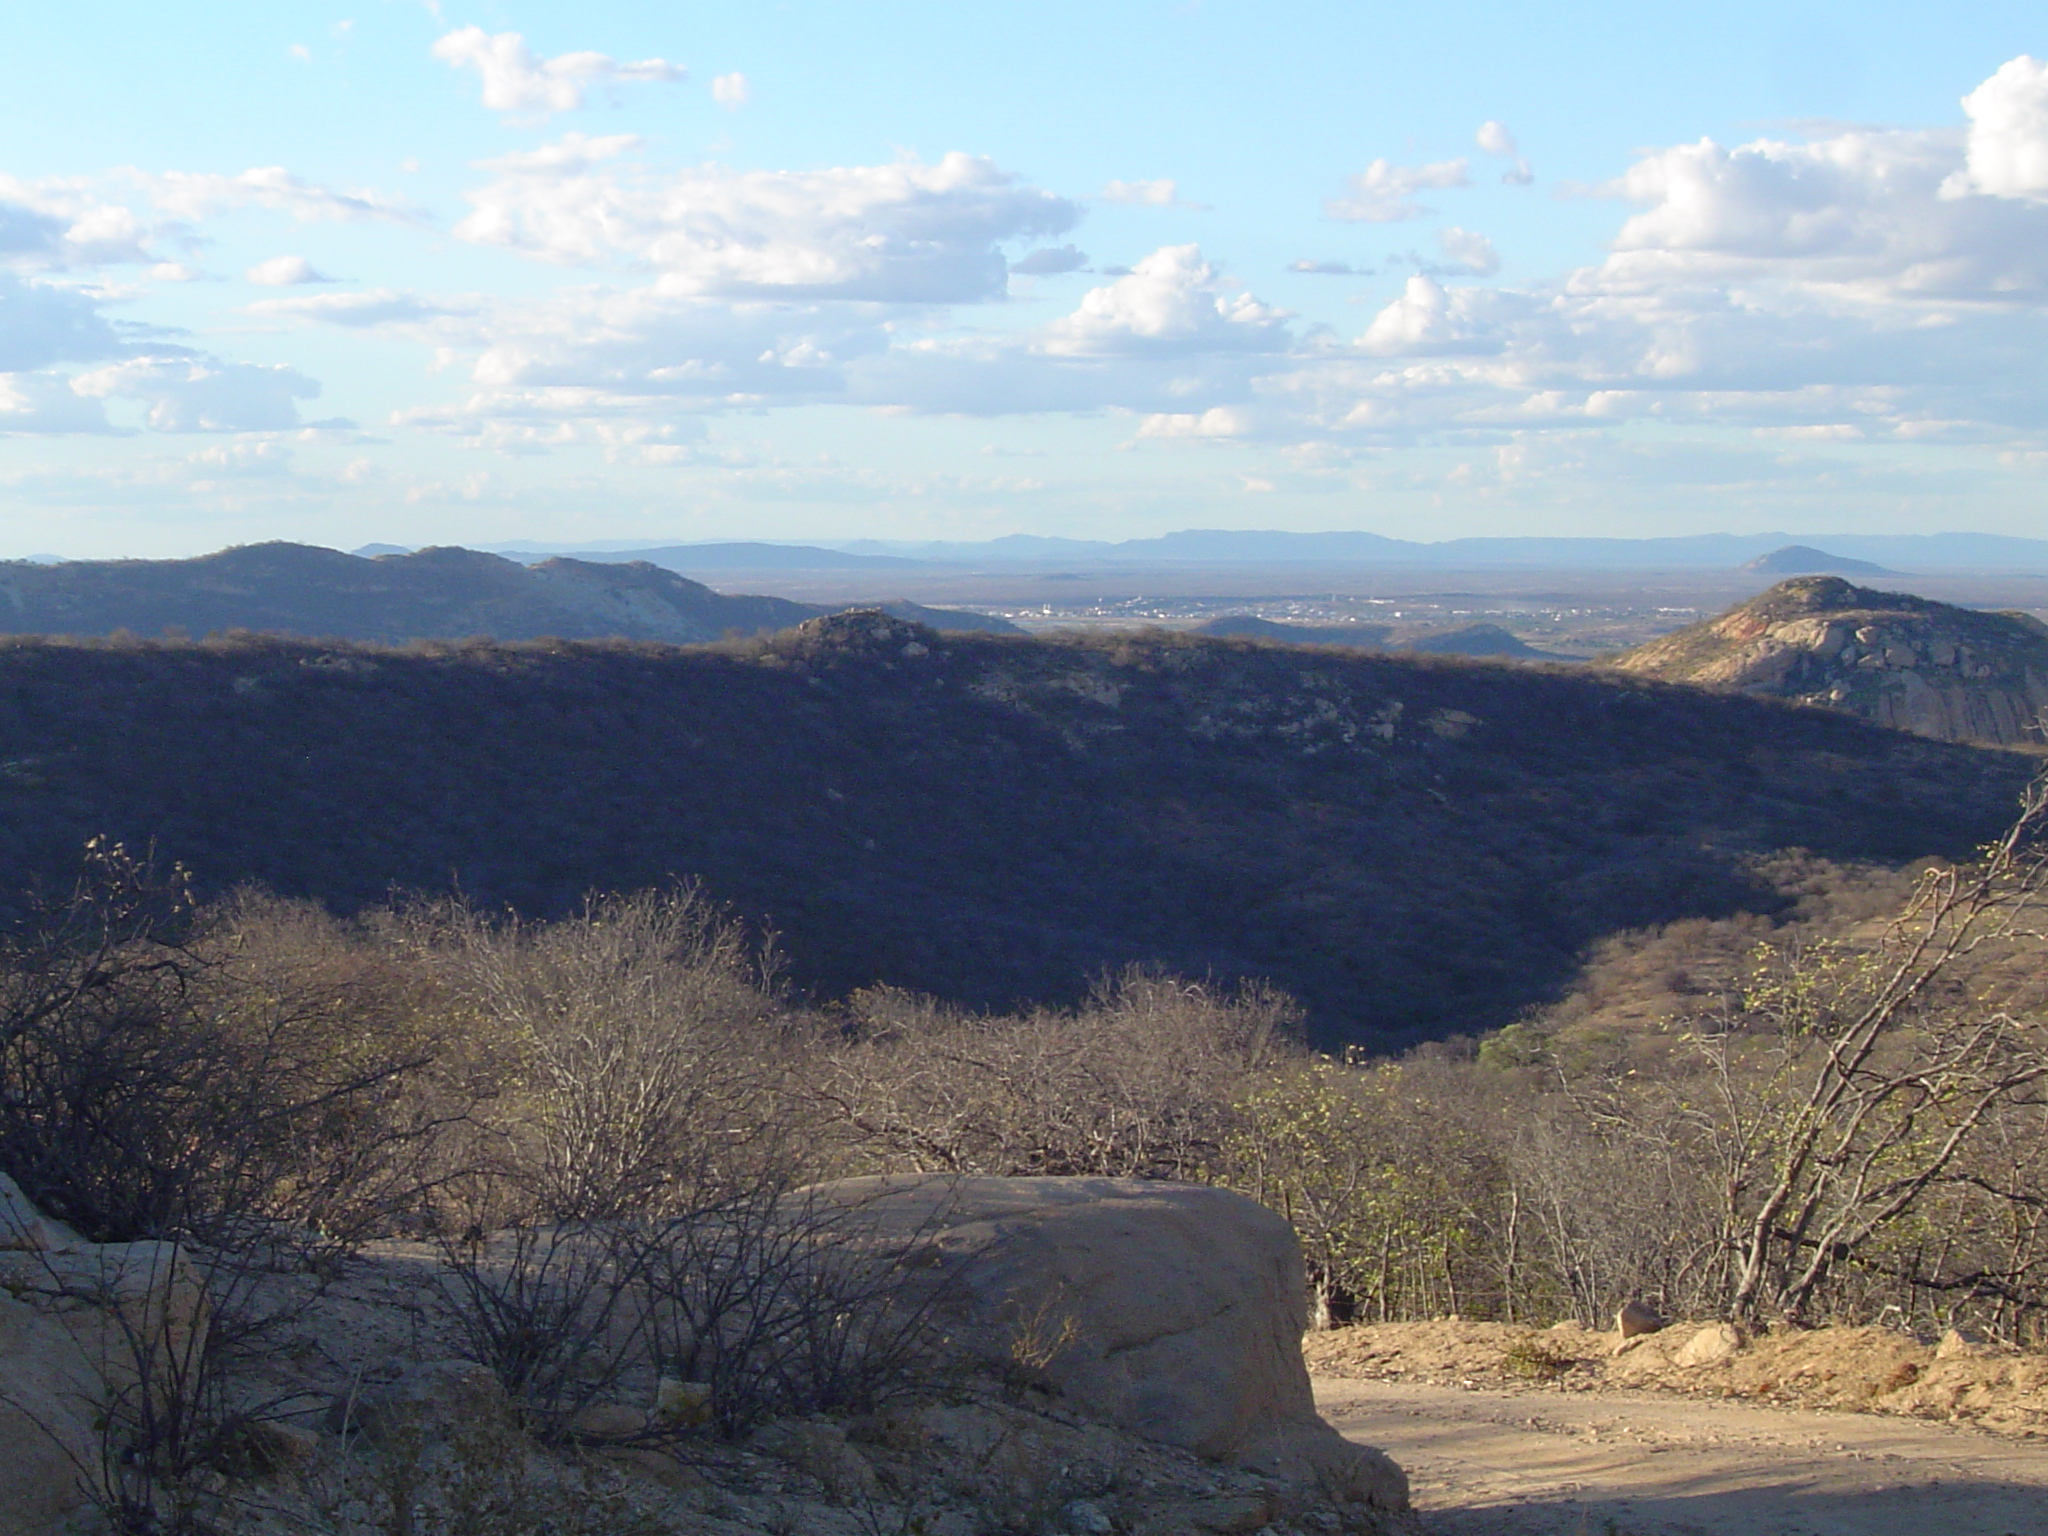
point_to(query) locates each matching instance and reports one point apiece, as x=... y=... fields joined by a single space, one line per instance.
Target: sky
x=386 y=271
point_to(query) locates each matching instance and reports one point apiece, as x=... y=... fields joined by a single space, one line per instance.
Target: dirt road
x=1486 y=1462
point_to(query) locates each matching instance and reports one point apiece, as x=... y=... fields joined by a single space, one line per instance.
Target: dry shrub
x=1138 y=1082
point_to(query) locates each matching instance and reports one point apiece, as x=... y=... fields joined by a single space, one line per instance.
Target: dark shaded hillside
x=1413 y=846
x=446 y=594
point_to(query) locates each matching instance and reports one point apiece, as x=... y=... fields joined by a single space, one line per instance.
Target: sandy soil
x=1834 y=1445
x=1506 y=1463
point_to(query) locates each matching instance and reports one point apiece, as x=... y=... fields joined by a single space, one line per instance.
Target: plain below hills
x=1413 y=846
x=299 y=589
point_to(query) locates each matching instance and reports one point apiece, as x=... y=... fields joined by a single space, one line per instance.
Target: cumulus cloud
x=369 y=309
x=41 y=324
x=46 y=404
x=64 y=223
x=515 y=80
x=188 y=393
x=285 y=272
x=731 y=91
x=1051 y=260
x=1467 y=251
x=1151 y=194
x=1172 y=301
x=1384 y=193
x=909 y=232
x=2008 y=140
x=1494 y=138
x=199 y=195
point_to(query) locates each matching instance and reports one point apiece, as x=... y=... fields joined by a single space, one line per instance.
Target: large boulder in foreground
x=1174 y=1310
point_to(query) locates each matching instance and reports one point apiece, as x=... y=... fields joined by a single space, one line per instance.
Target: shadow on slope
x=1413 y=846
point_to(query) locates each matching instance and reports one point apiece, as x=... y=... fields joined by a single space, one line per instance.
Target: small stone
x=1637 y=1317
x=1958 y=1344
x=1711 y=1345
x=1083 y=1518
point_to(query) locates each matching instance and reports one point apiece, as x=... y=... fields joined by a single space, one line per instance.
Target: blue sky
x=393 y=271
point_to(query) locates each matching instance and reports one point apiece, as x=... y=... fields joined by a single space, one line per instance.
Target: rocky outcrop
x=1955 y=674
x=1172 y=1310
x=83 y=1327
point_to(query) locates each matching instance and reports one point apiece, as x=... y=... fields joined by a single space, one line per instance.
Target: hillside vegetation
x=1411 y=847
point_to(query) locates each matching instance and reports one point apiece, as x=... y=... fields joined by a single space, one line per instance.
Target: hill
x=1956 y=674
x=1805 y=560
x=1461 y=640
x=1471 y=640
x=431 y=594
x=1244 y=626
x=1414 y=846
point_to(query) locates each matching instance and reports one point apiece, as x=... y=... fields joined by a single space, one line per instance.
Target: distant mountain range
x=1713 y=551
x=433 y=594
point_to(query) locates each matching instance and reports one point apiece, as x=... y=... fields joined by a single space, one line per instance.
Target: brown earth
x=1829 y=1432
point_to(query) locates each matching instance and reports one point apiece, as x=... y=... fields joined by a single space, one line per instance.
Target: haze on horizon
x=654 y=272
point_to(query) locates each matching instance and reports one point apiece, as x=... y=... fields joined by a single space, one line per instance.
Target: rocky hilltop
x=1955 y=674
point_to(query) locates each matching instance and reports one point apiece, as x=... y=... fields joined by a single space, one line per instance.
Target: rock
x=608 y=1421
x=25 y=1229
x=682 y=1402
x=1711 y=1345
x=1959 y=1344
x=1229 y=1513
x=1636 y=1317
x=1173 y=1310
x=430 y=1401
x=1083 y=1518
x=818 y=1448
x=49 y=1399
x=132 y=1307
x=265 y=1447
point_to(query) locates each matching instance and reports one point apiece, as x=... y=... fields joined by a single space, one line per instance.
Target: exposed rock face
x=81 y=1325
x=1955 y=674
x=1173 y=1310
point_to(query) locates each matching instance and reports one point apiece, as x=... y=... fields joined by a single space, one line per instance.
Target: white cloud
x=2008 y=142
x=731 y=91
x=64 y=223
x=200 y=195
x=515 y=80
x=45 y=403
x=1153 y=194
x=1052 y=260
x=907 y=232
x=1327 y=268
x=364 y=310
x=1383 y=193
x=41 y=324
x=201 y=394
x=1494 y=138
x=1173 y=301
x=1468 y=251
x=285 y=272
x=1221 y=421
